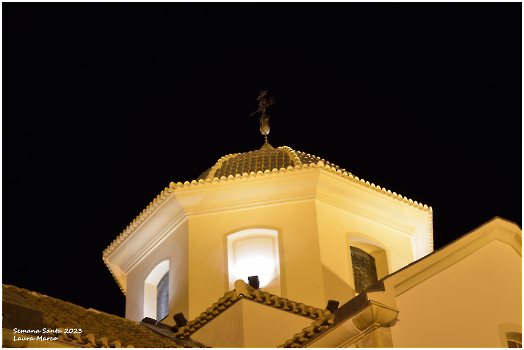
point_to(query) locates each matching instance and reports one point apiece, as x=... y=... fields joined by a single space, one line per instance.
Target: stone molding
x=352 y=329
x=319 y=166
x=155 y=241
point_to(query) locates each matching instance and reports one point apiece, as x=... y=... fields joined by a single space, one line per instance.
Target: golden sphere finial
x=264 y=128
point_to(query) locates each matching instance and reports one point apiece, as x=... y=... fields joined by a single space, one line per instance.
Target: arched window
x=368 y=261
x=364 y=269
x=156 y=292
x=254 y=252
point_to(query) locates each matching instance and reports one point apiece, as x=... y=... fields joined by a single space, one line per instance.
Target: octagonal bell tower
x=309 y=229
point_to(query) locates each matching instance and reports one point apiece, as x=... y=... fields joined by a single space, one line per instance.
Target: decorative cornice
x=208 y=182
x=251 y=204
x=156 y=240
x=325 y=199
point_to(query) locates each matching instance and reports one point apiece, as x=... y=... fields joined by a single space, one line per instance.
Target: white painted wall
x=172 y=248
x=313 y=212
x=463 y=305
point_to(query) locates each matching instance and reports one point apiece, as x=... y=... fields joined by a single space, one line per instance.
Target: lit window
x=254 y=253
x=156 y=292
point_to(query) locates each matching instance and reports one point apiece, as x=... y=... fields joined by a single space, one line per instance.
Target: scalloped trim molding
x=319 y=166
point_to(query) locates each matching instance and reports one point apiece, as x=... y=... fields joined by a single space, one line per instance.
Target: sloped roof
x=99 y=329
x=317 y=327
x=243 y=290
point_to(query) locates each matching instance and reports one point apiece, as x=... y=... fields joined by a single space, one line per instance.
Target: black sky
x=104 y=104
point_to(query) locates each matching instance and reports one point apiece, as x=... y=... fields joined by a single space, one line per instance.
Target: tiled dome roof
x=261 y=160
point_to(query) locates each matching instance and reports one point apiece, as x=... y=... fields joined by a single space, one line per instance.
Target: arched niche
x=156 y=292
x=254 y=252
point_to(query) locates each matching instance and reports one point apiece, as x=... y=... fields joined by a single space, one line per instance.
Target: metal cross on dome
x=264 y=103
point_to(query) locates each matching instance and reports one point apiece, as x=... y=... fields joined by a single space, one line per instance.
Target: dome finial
x=264 y=118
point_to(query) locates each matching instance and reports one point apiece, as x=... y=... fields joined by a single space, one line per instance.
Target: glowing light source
x=260 y=266
x=254 y=253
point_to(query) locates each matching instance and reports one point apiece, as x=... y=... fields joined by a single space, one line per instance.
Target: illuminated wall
x=464 y=304
x=299 y=225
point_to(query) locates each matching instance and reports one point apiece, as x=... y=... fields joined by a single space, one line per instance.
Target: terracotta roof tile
x=99 y=329
x=243 y=290
x=317 y=327
x=259 y=160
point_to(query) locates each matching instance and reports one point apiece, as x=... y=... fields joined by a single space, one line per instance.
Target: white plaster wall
x=301 y=274
x=313 y=212
x=463 y=305
x=175 y=249
x=225 y=331
x=376 y=208
x=313 y=234
x=336 y=226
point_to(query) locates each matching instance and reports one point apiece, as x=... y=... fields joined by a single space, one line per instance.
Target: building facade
x=313 y=233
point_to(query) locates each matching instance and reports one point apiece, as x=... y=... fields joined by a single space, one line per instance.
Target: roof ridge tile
x=244 y=290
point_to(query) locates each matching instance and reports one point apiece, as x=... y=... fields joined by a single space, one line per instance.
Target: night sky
x=104 y=104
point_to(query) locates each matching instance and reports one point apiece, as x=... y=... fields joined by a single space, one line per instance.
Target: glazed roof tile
x=260 y=160
x=99 y=329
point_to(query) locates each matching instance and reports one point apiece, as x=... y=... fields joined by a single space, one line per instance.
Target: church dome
x=260 y=160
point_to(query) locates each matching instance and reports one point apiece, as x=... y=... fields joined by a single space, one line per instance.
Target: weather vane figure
x=264 y=118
